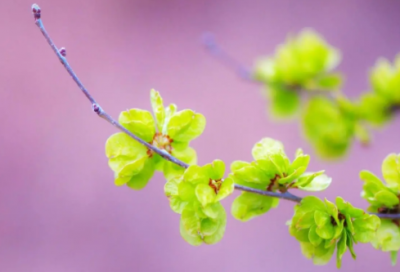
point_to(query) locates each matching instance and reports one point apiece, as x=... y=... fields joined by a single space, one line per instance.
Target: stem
x=61 y=53
x=226 y=59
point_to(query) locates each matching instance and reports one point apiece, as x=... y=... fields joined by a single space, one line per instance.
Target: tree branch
x=226 y=59
x=61 y=54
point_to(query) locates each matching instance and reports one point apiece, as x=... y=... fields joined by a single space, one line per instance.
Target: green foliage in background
x=385 y=198
x=300 y=81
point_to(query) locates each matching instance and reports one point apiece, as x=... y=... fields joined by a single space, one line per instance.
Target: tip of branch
x=208 y=39
x=63 y=51
x=36 y=11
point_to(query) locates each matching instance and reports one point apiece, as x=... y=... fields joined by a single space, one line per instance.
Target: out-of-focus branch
x=220 y=54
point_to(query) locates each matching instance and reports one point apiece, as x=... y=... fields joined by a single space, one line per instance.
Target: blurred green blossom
x=271 y=170
x=331 y=125
x=304 y=62
x=196 y=195
x=170 y=130
x=378 y=106
x=385 y=198
x=321 y=227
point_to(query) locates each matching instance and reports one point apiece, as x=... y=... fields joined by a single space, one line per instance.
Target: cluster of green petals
x=272 y=171
x=196 y=195
x=169 y=130
x=377 y=106
x=303 y=62
x=332 y=124
x=321 y=227
x=385 y=198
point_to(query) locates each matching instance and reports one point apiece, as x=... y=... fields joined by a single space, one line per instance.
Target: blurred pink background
x=59 y=208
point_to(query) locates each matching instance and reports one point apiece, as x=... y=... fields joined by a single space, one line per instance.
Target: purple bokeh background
x=59 y=209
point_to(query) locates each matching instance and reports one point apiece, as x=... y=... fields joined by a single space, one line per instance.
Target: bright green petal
x=205 y=194
x=193 y=239
x=139 y=122
x=139 y=181
x=226 y=188
x=249 y=205
x=187 y=155
x=391 y=171
x=317 y=183
x=158 y=108
x=265 y=147
x=196 y=174
x=186 y=125
x=216 y=169
x=122 y=149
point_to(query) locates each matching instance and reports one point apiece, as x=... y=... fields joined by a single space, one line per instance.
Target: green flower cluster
x=321 y=227
x=304 y=62
x=272 y=171
x=332 y=124
x=385 y=198
x=378 y=105
x=170 y=130
x=196 y=195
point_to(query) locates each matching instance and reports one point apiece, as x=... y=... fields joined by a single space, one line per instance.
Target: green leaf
x=341 y=249
x=267 y=146
x=387 y=237
x=393 y=257
x=186 y=125
x=226 y=188
x=121 y=150
x=313 y=237
x=139 y=122
x=169 y=112
x=249 y=205
x=193 y=239
x=205 y=194
x=315 y=182
x=391 y=171
x=321 y=218
x=333 y=210
x=249 y=172
x=129 y=170
x=187 y=155
x=387 y=198
x=300 y=161
x=196 y=175
x=311 y=203
x=191 y=221
x=331 y=81
x=219 y=232
x=158 y=108
x=284 y=102
x=139 y=181
x=186 y=190
x=171 y=170
x=326 y=231
x=216 y=169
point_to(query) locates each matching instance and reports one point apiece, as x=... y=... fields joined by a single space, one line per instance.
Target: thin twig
x=61 y=53
x=220 y=54
x=100 y=112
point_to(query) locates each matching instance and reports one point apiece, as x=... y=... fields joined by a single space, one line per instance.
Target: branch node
x=36 y=11
x=63 y=51
x=97 y=109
